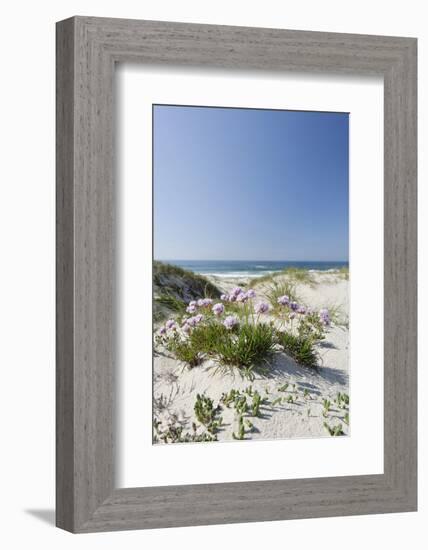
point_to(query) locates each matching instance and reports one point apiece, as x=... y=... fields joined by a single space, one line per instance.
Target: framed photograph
x=236 y=274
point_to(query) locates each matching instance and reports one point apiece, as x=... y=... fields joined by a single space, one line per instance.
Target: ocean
x=253 y=268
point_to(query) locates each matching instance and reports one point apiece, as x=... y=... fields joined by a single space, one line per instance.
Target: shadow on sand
x=306 y=377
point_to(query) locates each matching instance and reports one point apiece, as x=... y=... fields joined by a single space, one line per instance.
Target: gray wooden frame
x=87 y=50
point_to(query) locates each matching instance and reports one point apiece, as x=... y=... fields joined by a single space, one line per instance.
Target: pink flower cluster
x=262 y=307
x=294 y=306
x=238 y=294
x=283 y=300
x=194 y=304
x=218 y=309
x=325 y=317
x=231 y=321
x=191 y=322
x=324 y=314
x=169 y=325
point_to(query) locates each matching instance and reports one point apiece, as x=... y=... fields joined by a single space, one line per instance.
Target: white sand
x=304 y=418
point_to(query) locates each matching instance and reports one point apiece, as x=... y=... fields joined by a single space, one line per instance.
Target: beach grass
x=263 y=279
x=301 y=349
x=171 y=302
x=300 y=275
x=252 y=346
x=295 y=274
x=174 y=287
x=281 y=288
x=247 y=347
x=343 y=273
x=185 y=351
x=200 y=285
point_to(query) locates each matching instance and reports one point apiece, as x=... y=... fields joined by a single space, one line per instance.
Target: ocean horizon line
x=254 y=268
x=247 y=260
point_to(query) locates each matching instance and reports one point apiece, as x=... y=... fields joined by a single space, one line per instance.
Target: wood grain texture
x=64 y=276
x=87 y=50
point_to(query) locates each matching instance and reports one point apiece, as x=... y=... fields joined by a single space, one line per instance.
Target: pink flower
x=283 y=300
x=262 y=307
x=218 y=309
x=325 y=317
x=236 y=291
x=230 y=321
x=193 y=321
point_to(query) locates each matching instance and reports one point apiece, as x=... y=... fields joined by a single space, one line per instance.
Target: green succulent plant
x=257 y=402
x=241 y=429
x=326 y=404
x=207 y=414
x=334 y=431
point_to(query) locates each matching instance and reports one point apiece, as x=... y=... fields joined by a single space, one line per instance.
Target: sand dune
x=296 y=410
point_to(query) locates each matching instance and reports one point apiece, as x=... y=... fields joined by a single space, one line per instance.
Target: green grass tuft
x=247 y=347
x=250 y=347
x=343 y=273
x=174 y=287
x=277 y=289
x=263 y=279
x=207 y=337
x=201 y=283
x=299 y=275
x=171 y=302
x=299 y=348
x=292 y=275
x=185 y=351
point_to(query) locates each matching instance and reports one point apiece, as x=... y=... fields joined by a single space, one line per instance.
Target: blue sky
x=250 y=184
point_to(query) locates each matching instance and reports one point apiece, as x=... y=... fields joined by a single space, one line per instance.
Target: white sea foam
x=236 y=274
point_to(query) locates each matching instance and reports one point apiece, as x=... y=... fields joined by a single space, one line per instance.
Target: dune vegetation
x=174 y=287
x=229 y=358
